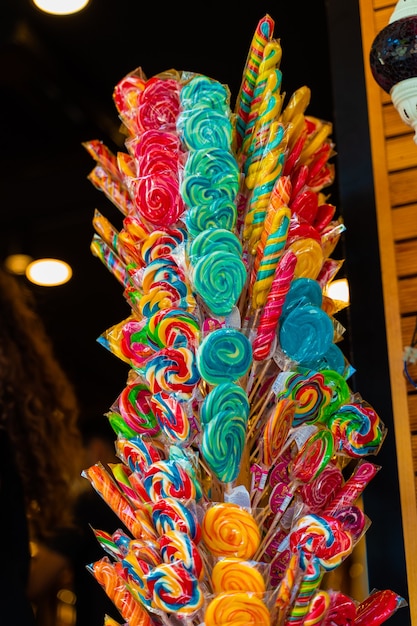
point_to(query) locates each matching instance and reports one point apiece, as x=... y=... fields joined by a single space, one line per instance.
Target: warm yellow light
x=61 y=7
x=17 y=263
x=338 y=290
x=48 y=272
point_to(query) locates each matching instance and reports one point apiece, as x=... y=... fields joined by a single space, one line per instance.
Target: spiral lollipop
x=224 y=355
x=168 y=478
x=227 y=397
x=162 y=242
x=202 y=128
x=305 y=333
x=232 y=574
x=137 y=453
x=173 y=328
x=134 y=405
x=223 y=443
x=202 y=91
x=354 y=486
x=173 y=370
x=172 y=514
x=238 y=608
x=176 y=545
x=172 y=417
x=220 y=213
x=230 y=530
x=318 y=493
x=174 y=589
x=358 y=429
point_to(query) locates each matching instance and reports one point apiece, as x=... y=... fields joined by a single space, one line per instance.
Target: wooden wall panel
x=394 y=159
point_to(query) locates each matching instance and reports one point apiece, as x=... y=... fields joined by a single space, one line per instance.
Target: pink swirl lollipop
x=176 y=545
x=172 y=417
x=133 y=344
x=268 y=322
x=135 y=407
x=319 y=492
x=159 y=104
x=175 y=589
x=126 y=96
x=174 y=371
x=169 y=478
x=158 y=199
x=172 y=514
x=353 y=520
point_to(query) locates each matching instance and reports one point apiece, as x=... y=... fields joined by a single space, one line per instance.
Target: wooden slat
x=382 y=18
x=404 y=222
x=399 y=154
x=408 y=324
x=393 y=123
x=412 y=404
x=406 y=259
x=403 y=187
x=407 y=290
x=379 y=4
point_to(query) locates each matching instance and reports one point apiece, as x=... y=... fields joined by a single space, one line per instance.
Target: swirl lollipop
x=305 y=333
x=137 y=453
x=227 y=397
x=173 y=370
x=221 y=213
x=354 y=486
x=224 y=355
x=172 y=417
x=358 y=429
x=223 y=443
x=202 y=128
x=231 y=574
x=168 y=478
x=319 y=492
x=202 y=91
x=214 y=239
x=173 y=328
x=172 y=514
x=175 y=589
x=176 y=545
x=239 y=607
x=135 y=408
x=218 y=278
x=158 y=104
x=230 y=530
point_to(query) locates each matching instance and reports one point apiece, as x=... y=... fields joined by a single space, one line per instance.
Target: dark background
x=57 y=76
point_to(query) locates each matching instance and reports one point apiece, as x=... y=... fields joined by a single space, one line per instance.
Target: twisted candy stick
x=113 y=584
x=354 y=486
x=271 y=312
x=377 y=608
x=310 y=582
x=110 y=259
x=261 y=36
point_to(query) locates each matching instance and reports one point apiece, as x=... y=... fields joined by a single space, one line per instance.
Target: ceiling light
x=60 y=7
x=338 y=290
x=48 y=272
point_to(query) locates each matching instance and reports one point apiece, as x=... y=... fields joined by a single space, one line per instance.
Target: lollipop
x=135 y=407
x=174 y=589
x=221 y=213
x=357 y=428
x=172 y=417
x=319 y=492
x=173 y=370
x=176 y=545
x=173 y=328
x=310 y=581
x=223 y=443
x=137 y=453
x=201 y=128
x=377 y=608
x=350 y=491
x=202 y=91
x=317 y=609
x=231 y=574
x=172 y=514
x=214 y=239
x=218 y=278
x=305 y=333
x=224 y=355
x=158 y=104
x=168 y=478
x=239 y=607
x=227 y=397
x=230 y=530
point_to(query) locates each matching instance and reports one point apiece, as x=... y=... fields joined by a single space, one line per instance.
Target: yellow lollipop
x=237 y=609
x=309 y=255
x=232 y=574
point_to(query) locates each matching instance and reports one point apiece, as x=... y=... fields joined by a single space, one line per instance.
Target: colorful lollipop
x=224 y=355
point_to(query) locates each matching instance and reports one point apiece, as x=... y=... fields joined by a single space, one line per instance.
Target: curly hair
x=39 y=411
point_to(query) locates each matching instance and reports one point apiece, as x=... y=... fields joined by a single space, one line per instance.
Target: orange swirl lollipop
x=309 y=255
x=240 y=608
x=230 y=530
x=231 y=574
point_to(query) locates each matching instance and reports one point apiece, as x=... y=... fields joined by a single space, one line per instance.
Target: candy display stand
x=243 y=450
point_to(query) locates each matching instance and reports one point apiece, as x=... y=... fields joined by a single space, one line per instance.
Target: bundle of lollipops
x=237 y=424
